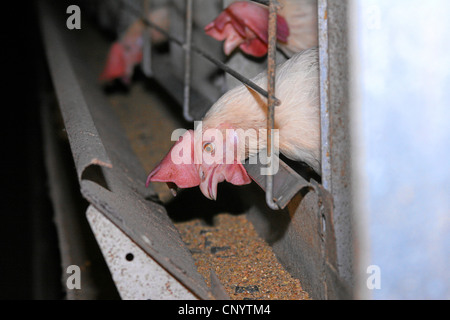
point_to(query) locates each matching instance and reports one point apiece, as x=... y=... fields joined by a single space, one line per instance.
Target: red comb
x=115 y=65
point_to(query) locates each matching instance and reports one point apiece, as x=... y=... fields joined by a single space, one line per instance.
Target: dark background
x=25 y=198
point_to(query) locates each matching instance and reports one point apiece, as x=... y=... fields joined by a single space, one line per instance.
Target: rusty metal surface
x=336 y=141
x=121 y=195
x=271 y=103
x=324 y=85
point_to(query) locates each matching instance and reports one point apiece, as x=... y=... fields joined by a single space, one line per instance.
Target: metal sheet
x=136 y=275
x=287 y=183
x=335 y=123
x=76 y=244
x=79 y=124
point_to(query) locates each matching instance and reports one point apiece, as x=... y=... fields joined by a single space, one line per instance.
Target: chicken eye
x=208 y=147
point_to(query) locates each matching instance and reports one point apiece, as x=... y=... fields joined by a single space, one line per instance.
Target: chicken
x=126 y=53
x=302 y=19
x=245 y=25
x=233 y=129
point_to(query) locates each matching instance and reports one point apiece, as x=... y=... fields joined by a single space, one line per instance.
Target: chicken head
x=202 y=159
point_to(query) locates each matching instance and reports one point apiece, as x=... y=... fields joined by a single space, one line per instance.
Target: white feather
x=301 y=17
x=297 y=118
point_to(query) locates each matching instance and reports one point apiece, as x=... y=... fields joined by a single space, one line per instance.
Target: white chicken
x=244 y=24
x=231 y=130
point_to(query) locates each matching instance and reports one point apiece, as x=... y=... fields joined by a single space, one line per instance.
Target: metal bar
x=271 y=71
x=147 y=43
x=338 y=179
x=324 y=94
x=187 y=61
x=264 y=2
x=286 y=182
x=205 y=55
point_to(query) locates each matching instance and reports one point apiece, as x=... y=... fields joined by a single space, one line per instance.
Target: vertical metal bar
x=324 y=94
x=187 y=61
x=271 y=71
x=336 y=145
x=147 y=43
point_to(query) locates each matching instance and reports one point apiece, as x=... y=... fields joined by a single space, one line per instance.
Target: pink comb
x=244 y=24
x=115 y=65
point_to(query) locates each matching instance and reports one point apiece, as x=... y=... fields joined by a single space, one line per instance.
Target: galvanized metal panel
x=336 y=147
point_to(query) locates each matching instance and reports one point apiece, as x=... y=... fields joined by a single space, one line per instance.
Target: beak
x=209 y=183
